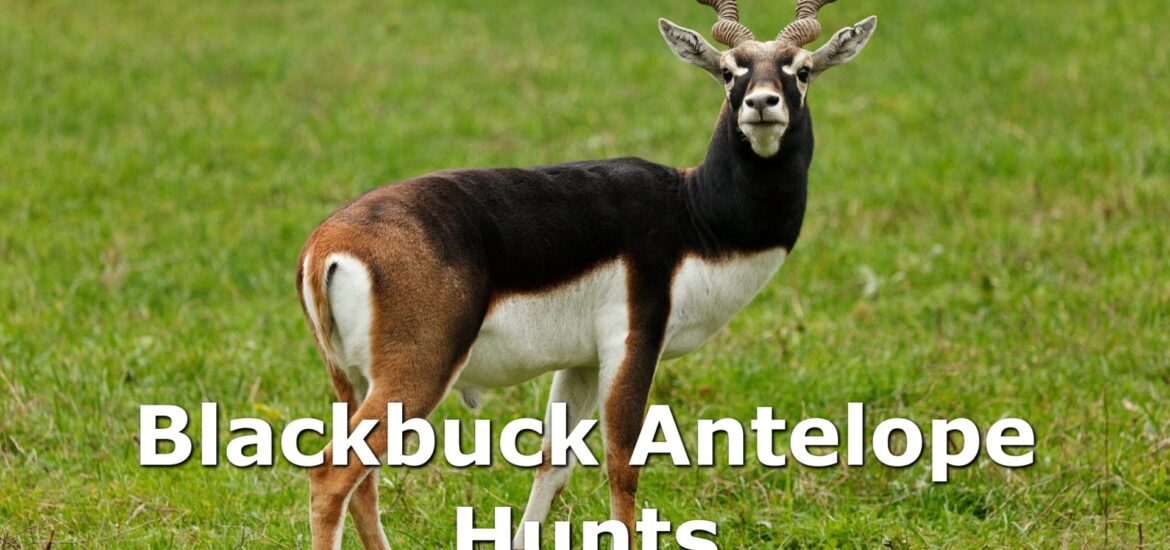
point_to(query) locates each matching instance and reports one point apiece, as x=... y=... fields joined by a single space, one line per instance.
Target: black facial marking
x=737 y=92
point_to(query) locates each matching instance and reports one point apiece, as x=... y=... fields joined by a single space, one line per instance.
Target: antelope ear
x=844 y=46
x=689 y=46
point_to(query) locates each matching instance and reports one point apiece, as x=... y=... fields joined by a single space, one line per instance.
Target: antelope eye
x=727 y=75
x=802 y=74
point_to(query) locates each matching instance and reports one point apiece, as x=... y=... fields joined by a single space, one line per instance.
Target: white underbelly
x=525 y=336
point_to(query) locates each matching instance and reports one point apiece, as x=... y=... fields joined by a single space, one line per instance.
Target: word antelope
x=597 y=270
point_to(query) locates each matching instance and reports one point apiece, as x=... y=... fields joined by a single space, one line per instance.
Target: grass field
x=987 y=237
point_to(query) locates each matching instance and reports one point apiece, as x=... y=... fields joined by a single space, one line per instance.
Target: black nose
x=762 y=100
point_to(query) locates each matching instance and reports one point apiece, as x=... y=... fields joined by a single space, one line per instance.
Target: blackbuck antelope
x=482 y=278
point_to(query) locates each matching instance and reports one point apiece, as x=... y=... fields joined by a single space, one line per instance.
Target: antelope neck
x=741 y=202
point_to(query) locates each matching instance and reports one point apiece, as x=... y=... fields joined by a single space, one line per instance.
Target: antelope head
x=766 y=82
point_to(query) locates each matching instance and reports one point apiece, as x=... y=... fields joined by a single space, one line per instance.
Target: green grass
x=997 y=171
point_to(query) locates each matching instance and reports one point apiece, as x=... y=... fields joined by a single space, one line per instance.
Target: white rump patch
x=351 y=303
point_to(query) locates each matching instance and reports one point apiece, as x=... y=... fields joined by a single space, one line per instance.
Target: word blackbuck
x=479 y=278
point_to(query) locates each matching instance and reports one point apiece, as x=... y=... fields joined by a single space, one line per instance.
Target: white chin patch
x=765 y=138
